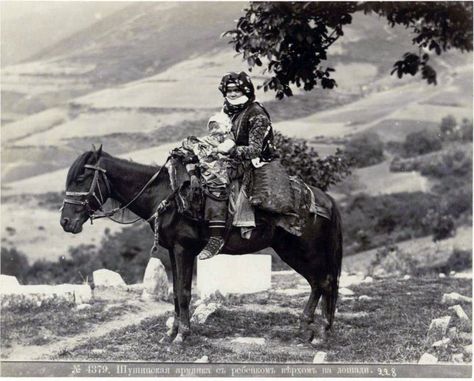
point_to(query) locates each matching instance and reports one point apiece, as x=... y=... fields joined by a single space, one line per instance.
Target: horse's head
x=87 y=189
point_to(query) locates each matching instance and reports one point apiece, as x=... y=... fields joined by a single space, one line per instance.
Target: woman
x=253 y=136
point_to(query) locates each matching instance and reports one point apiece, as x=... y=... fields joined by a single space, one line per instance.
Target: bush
x=459 y=260
x=421 y=142
x=456 y=161
x=304 y=161
x=448 y=126
x=365 y=150
x=14 y=263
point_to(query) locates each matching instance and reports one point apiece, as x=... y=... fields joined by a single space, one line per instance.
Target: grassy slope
x=391 y=330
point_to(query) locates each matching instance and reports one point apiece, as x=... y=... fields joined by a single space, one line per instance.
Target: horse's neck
x=127 y=179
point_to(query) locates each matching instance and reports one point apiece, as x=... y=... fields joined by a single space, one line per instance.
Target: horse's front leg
x=184 y=271
x=173 y=331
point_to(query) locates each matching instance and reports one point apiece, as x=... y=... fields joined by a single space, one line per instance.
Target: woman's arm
x=259 y=125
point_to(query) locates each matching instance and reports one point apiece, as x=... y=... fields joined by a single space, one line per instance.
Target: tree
x=448 y=125
x=365 y=149
x=293 y=38
x=421 y=142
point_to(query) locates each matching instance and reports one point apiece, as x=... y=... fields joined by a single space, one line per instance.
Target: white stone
x=406 y=277
x=291 y=292
x=453 y=333
x=465 y=336
x=108 y=278
x=349 y=280
x=84 y=306
x=365 y=298
x=451 y=273
x=320 y=357
x=441 y=343
x=428 y=359
x=170 y=322
x=249 y=340
x=461 y=315
x=203 y=311
x=70 y=293
x=8 y=281
x=345 y=291
x=458 y=358
x=82 y=292
x=203 y=359
x=468 y=348
x=368 y=279
x=243 y=274
x=442 y=275
x=155 y=280
x=455 y=298
x=464 y=275
x=438 y=327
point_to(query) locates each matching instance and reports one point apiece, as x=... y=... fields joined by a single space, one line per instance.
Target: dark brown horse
x=96 y=176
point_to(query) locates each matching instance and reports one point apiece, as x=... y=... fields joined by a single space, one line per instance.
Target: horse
x=96 y=176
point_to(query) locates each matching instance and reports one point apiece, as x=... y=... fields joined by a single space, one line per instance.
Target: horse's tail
x=335 y=251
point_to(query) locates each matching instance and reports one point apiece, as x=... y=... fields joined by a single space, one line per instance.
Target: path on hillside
x=148 y=309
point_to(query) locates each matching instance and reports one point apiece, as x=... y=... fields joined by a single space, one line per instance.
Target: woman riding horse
x=253 y=134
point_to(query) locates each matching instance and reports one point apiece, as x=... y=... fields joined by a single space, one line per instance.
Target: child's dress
x=220 y=139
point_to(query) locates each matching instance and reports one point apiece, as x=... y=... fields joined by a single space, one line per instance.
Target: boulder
x=455 y=298
x=8 y=281
x=428 y=359
x=82 y=292
x=458 y=358
x=438 y=327
x=468 y=349
x=170 y=322
x=441 y=343
x=203 y=359
x=462 y=316
x=249 y=340
x=368 y=279
x=465 y=336
x=203 y=311
x=453 y=333
x=345 y=291
x=442 y=275
x=108 y=278
x=365 y=298
x=406 y=277
x=348 y=280
x=155 y=280
x=84 y=306
x=320 y=357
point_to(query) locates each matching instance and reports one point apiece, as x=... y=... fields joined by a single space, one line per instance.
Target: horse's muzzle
x=71 y=226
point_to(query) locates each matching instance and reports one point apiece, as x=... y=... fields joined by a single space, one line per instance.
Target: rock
x=155 y=280
x=203 y=359
x=349 y=280
x=345 y=291
x=428 y=359
x=34 y=294
x=408 y=293
x=249 y=340
x=438 y=327
x=442 y=275
x=455 y=298
x=465 y=336
x=170 y=322
x=468 y=349
x=8 y=281
x=458 y=358
x=320 y=357
x=365 y=298
x=203 y=311
x=108 y=278
x=464 y=275
x=368 y=279
x=441 y=343
x=453 y=333
x=406 y=277
x=84 y=306
x=465 y=321
x=451 y=273
x=82 y=292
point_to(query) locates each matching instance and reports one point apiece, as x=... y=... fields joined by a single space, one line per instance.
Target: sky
x=27 y=27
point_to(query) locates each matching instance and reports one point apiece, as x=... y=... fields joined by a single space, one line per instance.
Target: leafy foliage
x=365 y=149
x=421 y=142
x=291 y=39
x=304 y=161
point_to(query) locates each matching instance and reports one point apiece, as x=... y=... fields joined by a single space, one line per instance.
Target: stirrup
x=212 y=248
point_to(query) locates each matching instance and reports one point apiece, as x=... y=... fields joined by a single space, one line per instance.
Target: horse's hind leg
x=308 y=313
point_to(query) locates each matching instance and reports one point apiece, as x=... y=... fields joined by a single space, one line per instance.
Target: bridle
x=99 y=198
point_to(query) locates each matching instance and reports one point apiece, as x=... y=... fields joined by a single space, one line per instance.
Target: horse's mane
x=78 y=166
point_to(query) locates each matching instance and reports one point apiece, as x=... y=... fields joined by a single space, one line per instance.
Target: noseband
x=92 y=192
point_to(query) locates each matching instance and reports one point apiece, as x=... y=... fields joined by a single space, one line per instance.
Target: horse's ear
x=99 y=151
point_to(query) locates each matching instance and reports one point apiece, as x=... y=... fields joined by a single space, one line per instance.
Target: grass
x=52 y=321
x=394 y=331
